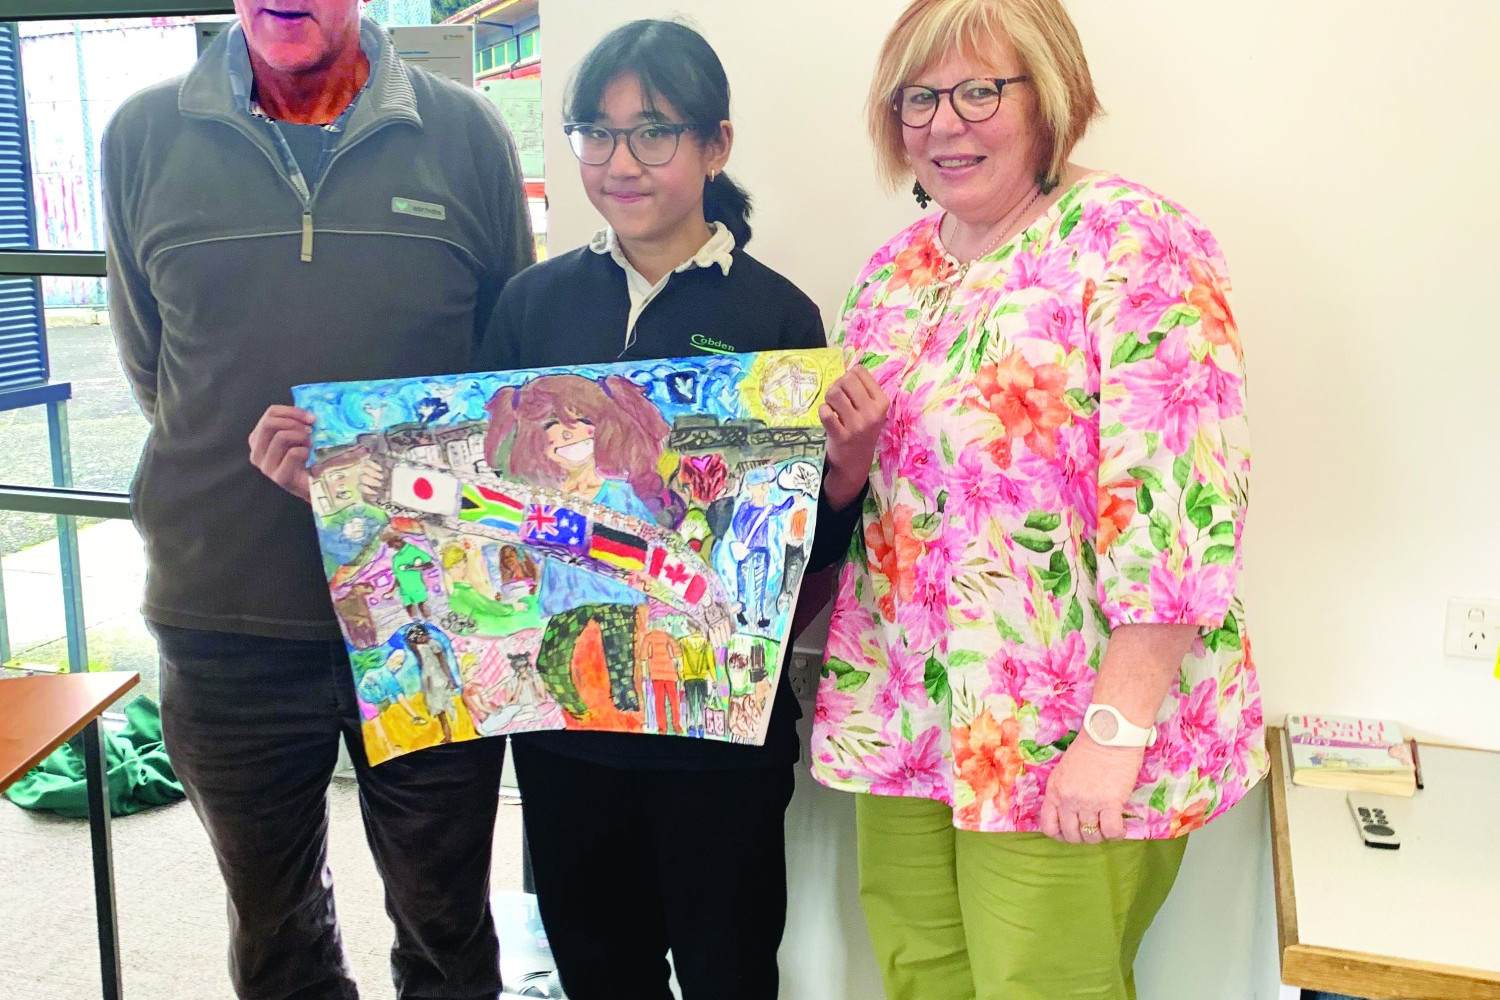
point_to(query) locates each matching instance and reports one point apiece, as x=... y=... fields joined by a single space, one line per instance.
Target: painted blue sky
x=344 y=410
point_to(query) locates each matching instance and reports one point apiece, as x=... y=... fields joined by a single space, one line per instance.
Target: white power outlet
x=1473 y=630
x=806 y=669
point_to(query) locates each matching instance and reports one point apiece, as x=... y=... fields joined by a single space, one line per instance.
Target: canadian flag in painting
x=676 y=574
x=424 y=489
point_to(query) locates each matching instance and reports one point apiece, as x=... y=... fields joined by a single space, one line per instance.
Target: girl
x=645 y=844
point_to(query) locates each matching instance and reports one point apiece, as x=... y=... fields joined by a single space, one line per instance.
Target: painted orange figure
x=661 y=656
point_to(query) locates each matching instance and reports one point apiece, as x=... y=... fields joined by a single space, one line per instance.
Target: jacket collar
x=219 y=84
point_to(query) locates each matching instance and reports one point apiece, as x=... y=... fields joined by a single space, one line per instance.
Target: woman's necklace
x=938 y=302
x=963 y=268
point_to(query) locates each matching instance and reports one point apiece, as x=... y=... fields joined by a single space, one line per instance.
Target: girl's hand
x=279 y=446
x=853 y=415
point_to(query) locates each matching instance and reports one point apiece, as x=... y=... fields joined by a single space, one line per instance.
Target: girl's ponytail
x=725 y=201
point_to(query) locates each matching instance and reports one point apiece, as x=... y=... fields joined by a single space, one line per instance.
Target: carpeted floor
x=171 y=903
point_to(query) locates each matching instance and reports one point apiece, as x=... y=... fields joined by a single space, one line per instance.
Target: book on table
x=1353 y=754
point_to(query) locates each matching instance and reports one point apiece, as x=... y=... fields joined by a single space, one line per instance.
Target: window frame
x=79 y=10
x=62 y=500
x=78 y=263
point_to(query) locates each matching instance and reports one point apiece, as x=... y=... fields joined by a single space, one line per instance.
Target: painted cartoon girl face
x=570 y=445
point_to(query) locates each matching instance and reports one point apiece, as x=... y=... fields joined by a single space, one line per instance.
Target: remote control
x=1374 y=823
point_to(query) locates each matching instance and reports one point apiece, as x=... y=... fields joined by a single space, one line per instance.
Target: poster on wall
x=520 y=104
x=444 y=49
x=611 y=547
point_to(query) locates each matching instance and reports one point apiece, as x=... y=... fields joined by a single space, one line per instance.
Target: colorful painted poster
x=613 y=547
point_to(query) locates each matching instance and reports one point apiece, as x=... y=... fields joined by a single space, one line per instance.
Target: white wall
x=1346 y=154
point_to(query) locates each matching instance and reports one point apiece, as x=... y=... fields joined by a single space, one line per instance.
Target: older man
x=300 y=207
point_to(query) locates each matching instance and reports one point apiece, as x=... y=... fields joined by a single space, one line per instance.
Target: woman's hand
x=1089 y=785
x=853 y=415
x=1086 y=792
x=279 y=446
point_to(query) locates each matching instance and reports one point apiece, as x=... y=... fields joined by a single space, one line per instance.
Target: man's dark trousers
x=252 y=726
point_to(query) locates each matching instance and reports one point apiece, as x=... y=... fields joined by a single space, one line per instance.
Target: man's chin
x=290 y=59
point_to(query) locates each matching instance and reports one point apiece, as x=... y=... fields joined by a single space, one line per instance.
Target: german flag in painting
x=618 y=548
x=483 y=505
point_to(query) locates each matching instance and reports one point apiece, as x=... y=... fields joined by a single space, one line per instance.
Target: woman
x=1038 y=678
x=440 y=680
x=644 y=844
x=516 y=567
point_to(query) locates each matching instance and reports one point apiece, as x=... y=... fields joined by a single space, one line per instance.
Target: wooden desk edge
x=1281 y=852
x=124 y=681
x=1380 y=978
x=1352 y=972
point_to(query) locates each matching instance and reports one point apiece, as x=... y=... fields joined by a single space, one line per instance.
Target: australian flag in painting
x=556 y=526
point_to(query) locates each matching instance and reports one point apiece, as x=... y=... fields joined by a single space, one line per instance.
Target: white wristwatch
x=1125 y=733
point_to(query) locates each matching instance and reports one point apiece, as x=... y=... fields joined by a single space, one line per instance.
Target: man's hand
x=853 y=415
x=1086 y=792
x=279 y=447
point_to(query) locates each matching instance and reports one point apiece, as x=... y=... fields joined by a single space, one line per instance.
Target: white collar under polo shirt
x=719 y=249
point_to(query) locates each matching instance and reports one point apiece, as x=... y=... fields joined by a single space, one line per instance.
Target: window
x=495 y=57
x=68 y=417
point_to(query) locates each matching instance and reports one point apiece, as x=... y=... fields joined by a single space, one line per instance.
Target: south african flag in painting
x=492 y=508
x=618 y=548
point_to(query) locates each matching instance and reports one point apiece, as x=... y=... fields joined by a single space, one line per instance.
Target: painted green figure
x=408 y=564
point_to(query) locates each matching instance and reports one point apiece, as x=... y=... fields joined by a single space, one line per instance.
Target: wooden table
x=1419 y=923
x=37 y=715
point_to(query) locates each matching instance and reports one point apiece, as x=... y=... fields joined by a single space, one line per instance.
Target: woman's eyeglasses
x=972 y=100
x=653 y=144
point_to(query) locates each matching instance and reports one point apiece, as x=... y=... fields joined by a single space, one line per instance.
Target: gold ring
x=1088 y=829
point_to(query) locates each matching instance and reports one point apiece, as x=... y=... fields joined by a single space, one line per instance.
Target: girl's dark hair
x=675 y=64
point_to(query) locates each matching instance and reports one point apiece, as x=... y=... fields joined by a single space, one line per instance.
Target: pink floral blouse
x=1065 y=453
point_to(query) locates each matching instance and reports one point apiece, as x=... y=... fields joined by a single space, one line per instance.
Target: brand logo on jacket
x=421 y=209
x=706 y=343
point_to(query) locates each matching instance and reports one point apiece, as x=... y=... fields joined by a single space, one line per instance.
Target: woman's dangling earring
x=920 y=193
x=712 y=175
x=1046 y=184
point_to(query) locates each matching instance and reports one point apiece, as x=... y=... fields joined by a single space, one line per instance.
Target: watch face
x=1102 y=726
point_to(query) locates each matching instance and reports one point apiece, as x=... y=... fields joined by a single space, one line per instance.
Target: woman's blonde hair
x=1043 y=35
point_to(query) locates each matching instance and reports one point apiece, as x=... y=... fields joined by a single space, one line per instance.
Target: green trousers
x=956 y=915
